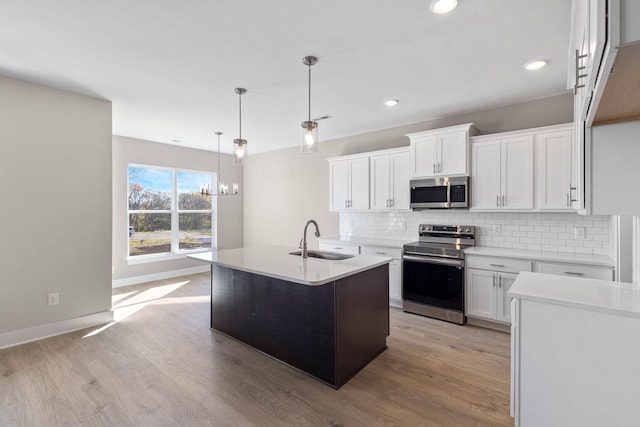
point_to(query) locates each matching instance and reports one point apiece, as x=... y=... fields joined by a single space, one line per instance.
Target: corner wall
x=229 y=209
x=284 y=189
x=55 y=170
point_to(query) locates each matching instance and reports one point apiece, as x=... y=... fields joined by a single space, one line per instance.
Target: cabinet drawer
x=576 y=270
x=395 y=253
x=343 y=248
x=498 y=264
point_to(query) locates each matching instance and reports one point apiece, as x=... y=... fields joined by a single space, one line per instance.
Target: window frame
x=174 y=211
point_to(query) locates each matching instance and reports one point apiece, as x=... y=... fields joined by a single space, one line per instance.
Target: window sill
x=144 y=259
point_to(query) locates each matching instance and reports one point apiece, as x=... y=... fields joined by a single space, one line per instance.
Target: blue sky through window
x=190 y=181
x=151 y=179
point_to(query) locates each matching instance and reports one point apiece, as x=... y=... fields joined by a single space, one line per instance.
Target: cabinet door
x=485 y=174
x=554 y=161
x=452 y=154
x=380 y=182
x=359 y=194
x=517 y=173
x=423 y=155
x=400 y=181
x=505 y=280
x=395 y=280
x=481 y=293
x=339 y=185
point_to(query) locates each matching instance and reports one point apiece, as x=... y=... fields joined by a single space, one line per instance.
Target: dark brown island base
x=329 y=327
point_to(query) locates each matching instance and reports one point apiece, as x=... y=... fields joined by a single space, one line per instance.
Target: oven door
x=434 y=281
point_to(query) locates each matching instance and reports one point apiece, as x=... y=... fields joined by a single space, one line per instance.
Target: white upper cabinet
x=441 y=152
x=390 y=180
x=502 y=173
x=349 y=183
x=506 y=175
x=555 y=189
x=604 y=36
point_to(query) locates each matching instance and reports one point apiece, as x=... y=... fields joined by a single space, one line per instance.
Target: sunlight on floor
x=128 y=303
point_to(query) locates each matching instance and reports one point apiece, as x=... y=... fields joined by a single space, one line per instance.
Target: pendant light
x=223 y=188
x=239 y=144
x=309 y=143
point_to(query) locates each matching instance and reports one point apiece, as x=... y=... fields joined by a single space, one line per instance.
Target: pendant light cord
x=240 y=114
x=309 y=92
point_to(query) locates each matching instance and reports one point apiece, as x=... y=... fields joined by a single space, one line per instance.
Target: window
x=167 y=214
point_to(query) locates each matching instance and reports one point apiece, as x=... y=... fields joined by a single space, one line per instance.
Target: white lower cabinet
x=487 y=283
x=487 y=294
x=576 y=270
x=395 y=270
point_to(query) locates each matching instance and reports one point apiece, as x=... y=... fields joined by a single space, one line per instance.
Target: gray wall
x=284 y=189
x=129 y=150
x=55 y=169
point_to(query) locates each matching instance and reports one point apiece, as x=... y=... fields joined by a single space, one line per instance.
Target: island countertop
x=275 y=261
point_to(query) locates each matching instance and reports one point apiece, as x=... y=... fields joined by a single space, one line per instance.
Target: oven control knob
x=429 y=228
x=422 y=228
x=467 y=230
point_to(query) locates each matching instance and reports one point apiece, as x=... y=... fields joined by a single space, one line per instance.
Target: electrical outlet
x=580 y=232
x=53 y=299
x=497 y=229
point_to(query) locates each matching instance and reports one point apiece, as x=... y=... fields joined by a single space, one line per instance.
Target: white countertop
x=594 y=260
x=366 y=241
x=596 y=295
x=276 y=262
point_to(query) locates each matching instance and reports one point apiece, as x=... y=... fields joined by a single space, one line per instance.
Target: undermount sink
x=333 y=256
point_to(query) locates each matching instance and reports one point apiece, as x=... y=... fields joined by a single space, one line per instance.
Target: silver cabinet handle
x=338 y=248
x=572 y=273
x=381 y=253
x=568 y=202
x=494 y=280
x=497 y=265
x=578 y=72
x=434 y=168
x=503 y=201
x=497 y=201
x=499 y=281
x=571 y=199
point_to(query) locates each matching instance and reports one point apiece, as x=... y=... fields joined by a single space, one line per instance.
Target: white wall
x=55 y=170
x=284 y=189
x=229 y=208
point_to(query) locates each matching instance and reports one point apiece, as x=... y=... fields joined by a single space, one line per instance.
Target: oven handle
x=433 y=260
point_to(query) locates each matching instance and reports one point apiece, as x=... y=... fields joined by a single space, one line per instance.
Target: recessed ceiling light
x=391 y=102
x=443 y=6
x=535 y=65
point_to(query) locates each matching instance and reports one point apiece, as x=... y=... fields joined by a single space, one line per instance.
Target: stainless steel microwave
x=440 y=193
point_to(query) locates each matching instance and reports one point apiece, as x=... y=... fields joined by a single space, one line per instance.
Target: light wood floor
x=160 y=365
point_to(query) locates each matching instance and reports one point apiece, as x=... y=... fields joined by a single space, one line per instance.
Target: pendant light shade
x=309 y=141
x=239 y=144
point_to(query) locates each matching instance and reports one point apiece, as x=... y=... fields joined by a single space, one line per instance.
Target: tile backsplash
x=533 y=231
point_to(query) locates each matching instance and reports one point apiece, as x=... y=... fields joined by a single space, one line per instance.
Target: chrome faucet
x=303 y=242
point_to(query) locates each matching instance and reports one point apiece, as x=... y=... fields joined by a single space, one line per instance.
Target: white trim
x=22 y=336
x=158 y=276
x=165 y=256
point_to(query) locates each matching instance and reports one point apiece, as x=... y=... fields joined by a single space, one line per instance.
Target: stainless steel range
x=433 y=271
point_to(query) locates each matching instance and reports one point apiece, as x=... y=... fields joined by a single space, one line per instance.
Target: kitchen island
x=574 y=351
x=328 y=319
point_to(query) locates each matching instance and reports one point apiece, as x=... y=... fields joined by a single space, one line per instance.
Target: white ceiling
x=170 y=67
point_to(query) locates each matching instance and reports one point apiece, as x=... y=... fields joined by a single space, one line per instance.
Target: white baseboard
x=159 y=276
x=22 y=336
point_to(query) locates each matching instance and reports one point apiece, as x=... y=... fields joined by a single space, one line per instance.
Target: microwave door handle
x=448 y=194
